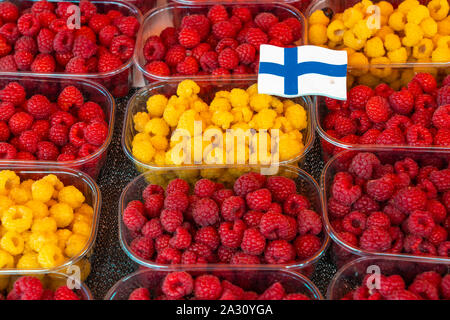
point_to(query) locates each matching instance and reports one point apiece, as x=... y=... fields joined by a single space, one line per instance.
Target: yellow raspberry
x=222 y=94
x=82 y=228
x=140 y=119
x=63 y=235
x=335 y=31
x=361 y=30
x=444 y=26
x=222 y=119
x=239 y=98
x=318 y=17
x=358 y=59
x=62 y=213
x=47 y=224
x=40 y=209
x=379 y=72
x=417 y=14
x=42 y=191
x=6 y=260
x=38 y=240
x=78 y=217
x=351 y=41
x=351 y=16
x=386 y=8
x=50 y=256
x=54 y=181
x=242 y=114
x=407 y=5
x=397 y=21
x=28 y=261
x=438 y=9
x=156 y=105
x=220 y=104
x=72 y=196
x=19 y=195
x=317 y=34
x=392 y=42
x=8 y=180
x=187 y=88
x=27 y=184
x=12 y=242
x=374 y=48
x=75 y=245
x=187 y=122
x=443 y=42
x=5 y=203
x=159 y=158
x=143 y=151
x=296 y=115
x=277 y=105
x=429 y=27
x=172 y=114
x=17 y=218
x=265 y=119
x=159 y=142
x=441 y=54
x=413 y=34
x=283 y=123
x=200 y=106
x=423 y=49
x=384 y=32
x=86 y=210
x=252 y=90
x=398 y=55
x=157 y=126
x=259 y=102
x=289 y=148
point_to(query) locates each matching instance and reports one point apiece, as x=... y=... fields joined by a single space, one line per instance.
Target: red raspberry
x=404 y=295
x=90 y=111
x=426 y=81
x=392 y=136
x=442 y=137
x=199 y=50
x=274 y=226
x=295 y=26
x=232 y=208
x=198 y=22
x=14 y=93
x=28 y=24
x=162 y=242
x=28 y=288
x=143 y=247
x=444 y=249
x=133 y=219
x=424 y=289
x=220 y=72
x=129 y=26
x=377 y=109
x=307 y=246
x=70 y=97
x=380 y=189
x=265 y=20
x=309 y=221
x=175 y=55
x=4 y=131
x=246 y=53
x=152 y=229
x=445 y=287
x=375 y=240
x=47 y=151
x=169 y=256
x=208 y=236
x=23 y=60
x=139 y=294
x=84 y=47
x=228 y=59
x=28 y=141
x=226 y=43
x=169 y=36
x=176 y=201
x=76 y=65
x=209 y=61
x=354 y=222
x=441 y=117
x=224 y=29
x=171 y=219
x=443 y=95
x=219 y=196
x=181 y=239
x=5 y=47
x=410 y=199
x=8 y=11
x=108 y=62
x=259 y=200
x=20 y=122
x=153 y=204
x=418 y=135
x=189 y=37
x=359 y=96
x=402 y=102
x=217 y=13
x=252 y=218
x=244 y=258
x=344 y=125
x=247 y=183
x=64 y=293
x=96 y=133
x=107 y=34
x=279 y=252
x=205 y=212
x=231 y=233
x=294 y=204
x=281 y=187
x=42 y=6
x=43 y=63
x=188 y=66
x=378 y=219
x=204 y=188
x=154 y=49
x=26 y=43
x=86 y=33
x=207 y=287
x=59 y=134
x=76 y=134
x=244 y=14
x=253 y=242
x=177 y=285
x=39 y=106
x=158 y=68
x=7 y=151
x=41 y=127
x=383 y=90
x=420 y=223
x=45 y=40
x=390 y=285
x=281 y=32
x=274 y=292
x=343 y=189
x=441 y=179
x=438 y=235
x=177 y=185
x=98 y=21
x=256 y=37
x=8 y=63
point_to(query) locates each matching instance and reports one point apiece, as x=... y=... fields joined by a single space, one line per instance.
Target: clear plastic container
x=350 y=276
x=137 y=103
x=253 y=279
x=170 y=16
x=51 y=281
x=51 y=85
x=343 y=251
x=299 y=4
x=91 y=192
x=305 y=185
x=119 y=81
x=143 y=5
x=405 y=74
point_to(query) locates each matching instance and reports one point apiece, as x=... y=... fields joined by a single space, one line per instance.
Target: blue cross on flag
x=302 y=71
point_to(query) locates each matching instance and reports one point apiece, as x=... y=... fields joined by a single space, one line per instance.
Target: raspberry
x=204 y=188
x=28 y=141
x=39 y=106
x=220 y=72
x=205 y=212
x=226 y=43
x=76 y=134
x=47 y=151
x=129 y=26
x=404 y=295
x=417 y=135
x=169 y=36
x=5 y=47
x=247 y=183
x=443 y=95
x=444 y=249
x=281 y=187
x=42 y=6
x=390 y=285
x=256 y=37
x=224 y=29
x=175 y=55
x=274 y=292
x=426 y=82
x=139 y=294
x=142 y=247
x=20 y=122
x=207 y=287
x=420 y=223
x=252 y=218
x=8 y=11
x=84 y=47
x=153 y=205
x=209 y=61
x=232 y=208
x=424 y=289
x=441 y=117
x=45 y=40
x=7 y=151
x=28 y=25
x=380 y=189
x=108 y=62
x=188 y=66
x=445 y=287
x=13 y=93
x=70 y=97
x=402 y=102
x=274 y=226
x=231 y=233
x=253 y=242
x=177 y=185
x=307 y=246
x=4 y=131
x=378 y=219
x=246 y=53
x=177 y=285
x=41 y=127
x=377 y=109
x=162 y=242
x=296 y=27
x=198 y=22
x=154 y=49
x=354 y=222
x=228 y=58
x=344 y=125
x=279 y=252
x=363 y=165
x=59 y=134
x=390 y=137
x=437 y=235
x=375 y=239
x=410 y=199
x=295 y=203
x=76 y=65
x=28 y=288
x=96 y=133
x=442 y=137
x=359 y=96
x=90 y=111
x=281 y=32
x=133 y=219
x=107 y=34
x=208 y=236
x=189 y=37
x=219 y=196
x=26 y=43
x=441 y=179
x=343 y=189
x=23 y=60
x=152 y=229
x=181 y=239
x=265 y=20
x=98 y=22
x=309 y=222
x=43 y=63
x=217 y=13
x=259 y=200
x=171 y=219
x=244 y=258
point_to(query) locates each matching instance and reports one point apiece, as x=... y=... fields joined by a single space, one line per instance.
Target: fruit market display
x=428 y=285
x=416 y=115
x=44 y=223
x=221 y=41
x=157 y=140
x=182 y=285
x=392 y=203
x=32 y=288
x=260 y=220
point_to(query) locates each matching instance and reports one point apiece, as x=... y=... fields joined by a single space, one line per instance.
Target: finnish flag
x=302 y=71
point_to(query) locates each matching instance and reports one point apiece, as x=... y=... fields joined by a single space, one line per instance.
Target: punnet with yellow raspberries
x=48 y=220
x=190 y=123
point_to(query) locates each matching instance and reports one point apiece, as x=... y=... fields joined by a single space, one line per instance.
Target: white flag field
x=302 y=71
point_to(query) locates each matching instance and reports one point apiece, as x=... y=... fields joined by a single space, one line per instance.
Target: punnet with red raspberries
x=256 y=219
x=47 y=287
x=221 y=283
x=214 y=39
x=417 y=116
x=395 y=203
x=43 y=37
x=395 y=279
x=55 y=122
